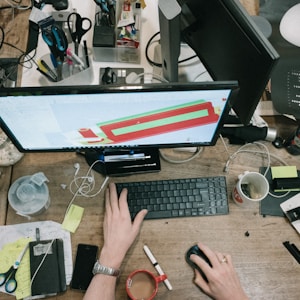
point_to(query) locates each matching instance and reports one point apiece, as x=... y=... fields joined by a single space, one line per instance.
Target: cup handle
x=161 y=278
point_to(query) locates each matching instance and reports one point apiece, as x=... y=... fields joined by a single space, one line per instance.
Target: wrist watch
x=100 y=269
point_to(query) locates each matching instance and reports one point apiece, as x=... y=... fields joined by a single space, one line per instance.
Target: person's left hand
x=119 y=230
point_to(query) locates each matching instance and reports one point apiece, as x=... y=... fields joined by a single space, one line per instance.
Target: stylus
x=157 y=266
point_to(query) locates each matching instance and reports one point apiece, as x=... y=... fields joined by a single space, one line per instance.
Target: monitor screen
x=93 y=117
x=230 y=46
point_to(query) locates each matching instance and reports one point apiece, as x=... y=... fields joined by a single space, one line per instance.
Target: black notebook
x=47 y=267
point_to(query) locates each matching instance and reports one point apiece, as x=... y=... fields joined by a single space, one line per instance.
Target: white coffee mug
x=251 y=187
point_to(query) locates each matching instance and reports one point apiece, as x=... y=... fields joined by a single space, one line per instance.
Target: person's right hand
x=223 y=282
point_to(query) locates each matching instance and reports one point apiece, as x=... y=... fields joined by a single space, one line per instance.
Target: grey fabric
x=273 y=10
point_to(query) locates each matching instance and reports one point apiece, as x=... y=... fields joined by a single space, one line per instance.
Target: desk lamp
x=285 y=86
x=290 y=25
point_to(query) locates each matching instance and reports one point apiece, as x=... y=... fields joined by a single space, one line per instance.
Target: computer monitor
x=94 y=120
x=228 y=43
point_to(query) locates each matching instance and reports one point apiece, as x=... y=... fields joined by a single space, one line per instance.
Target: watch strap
x=100 y=269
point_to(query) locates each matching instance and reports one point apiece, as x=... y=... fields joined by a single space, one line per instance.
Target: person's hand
x=223 y=282
x=119 y=230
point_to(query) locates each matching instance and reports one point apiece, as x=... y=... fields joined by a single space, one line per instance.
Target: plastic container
x=118 y=47
x=29 y=195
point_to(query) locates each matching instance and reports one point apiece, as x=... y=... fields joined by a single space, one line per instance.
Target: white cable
x=241 y=150
x=266 y=152
x=154 y=76
x=172 y=161
x=224 y=144
x=41 y=263
x=84 y=189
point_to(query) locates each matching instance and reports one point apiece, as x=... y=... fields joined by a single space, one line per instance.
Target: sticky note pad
x=73 y=218
x=284 y=172
x=285 y=178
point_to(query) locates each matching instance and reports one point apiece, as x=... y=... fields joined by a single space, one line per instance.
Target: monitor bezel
x=93 y=89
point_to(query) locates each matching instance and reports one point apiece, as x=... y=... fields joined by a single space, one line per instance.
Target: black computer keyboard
x=178 y=197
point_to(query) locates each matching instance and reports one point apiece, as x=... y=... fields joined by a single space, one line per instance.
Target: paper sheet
x=15 y=236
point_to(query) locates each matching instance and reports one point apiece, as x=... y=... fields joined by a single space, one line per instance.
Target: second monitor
x=227 y=42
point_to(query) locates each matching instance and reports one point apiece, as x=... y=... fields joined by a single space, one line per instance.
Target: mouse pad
x=271 y=205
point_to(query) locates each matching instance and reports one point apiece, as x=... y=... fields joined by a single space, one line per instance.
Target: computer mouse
x=289 y=25
x=195 y=250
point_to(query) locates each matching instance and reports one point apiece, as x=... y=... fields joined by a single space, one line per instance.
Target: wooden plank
x=5 y=176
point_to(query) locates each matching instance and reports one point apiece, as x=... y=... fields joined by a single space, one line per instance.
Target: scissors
x=9 y=278
x=82 y=26
x=57 y=42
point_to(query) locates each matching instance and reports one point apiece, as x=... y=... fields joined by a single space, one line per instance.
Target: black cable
x=156 y=64
x=2 y=36
x=151 y=62
x=20 y=61
x=5 y=7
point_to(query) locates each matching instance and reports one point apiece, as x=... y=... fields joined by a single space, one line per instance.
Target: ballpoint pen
x=46 y=72
x=157 y=266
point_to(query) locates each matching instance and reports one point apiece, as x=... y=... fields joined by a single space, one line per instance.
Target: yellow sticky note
x=73 y=218
x=284 y=172
x=8 y=255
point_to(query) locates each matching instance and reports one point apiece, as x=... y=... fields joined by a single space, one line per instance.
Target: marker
x=45 y=67
x=75 y=58
x=157 y=266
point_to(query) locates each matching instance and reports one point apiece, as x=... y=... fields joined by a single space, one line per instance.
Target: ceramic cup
x=251 y=187
x=142 y=284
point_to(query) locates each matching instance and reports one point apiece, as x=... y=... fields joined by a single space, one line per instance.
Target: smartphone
x=84 y=262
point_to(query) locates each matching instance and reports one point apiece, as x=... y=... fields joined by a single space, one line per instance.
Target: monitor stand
x=123 y=162
x=169 y=23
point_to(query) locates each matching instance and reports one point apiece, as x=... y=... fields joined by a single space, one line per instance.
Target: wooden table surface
x=266 y=268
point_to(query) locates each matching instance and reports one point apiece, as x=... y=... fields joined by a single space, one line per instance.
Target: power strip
x=123 y=75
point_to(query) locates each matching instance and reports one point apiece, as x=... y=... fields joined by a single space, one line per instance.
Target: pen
x=46 y=75
x=292 y=248
x=86 y=54
x=138 y=166
x=120 y=157
x=45 y=72
x=49 y=70
x=157 y=266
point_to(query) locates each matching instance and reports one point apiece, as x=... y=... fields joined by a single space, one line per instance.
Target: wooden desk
x=266 y=268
